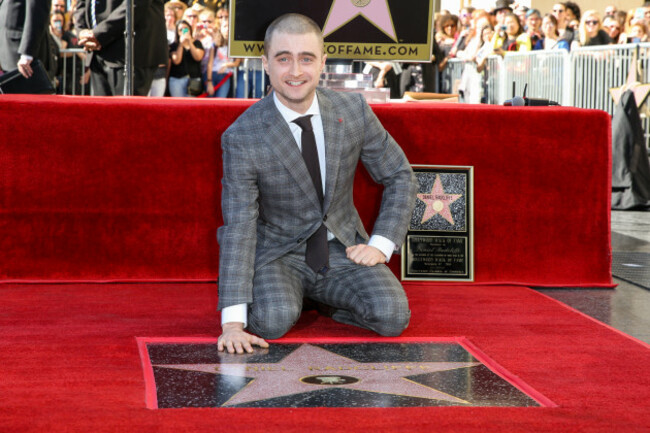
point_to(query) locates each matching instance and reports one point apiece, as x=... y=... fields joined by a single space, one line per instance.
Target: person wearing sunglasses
x=590 y=31
x=559 y=11
x=465 y=17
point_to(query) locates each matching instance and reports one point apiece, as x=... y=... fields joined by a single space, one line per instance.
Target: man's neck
x=304 y=108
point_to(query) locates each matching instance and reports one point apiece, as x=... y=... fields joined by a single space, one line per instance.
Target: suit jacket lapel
x=333 y=131
x=280 y=140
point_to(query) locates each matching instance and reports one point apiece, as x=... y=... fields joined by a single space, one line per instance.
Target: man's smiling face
x=294 y=64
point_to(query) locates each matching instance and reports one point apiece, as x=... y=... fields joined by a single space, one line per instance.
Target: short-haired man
x=610 y=10
x=101 y=30
x=290 y=227
x=59 y=6
x=24 y=35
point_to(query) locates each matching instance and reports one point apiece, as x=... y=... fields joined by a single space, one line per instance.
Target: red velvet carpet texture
x=128 y=189
x=70 y=362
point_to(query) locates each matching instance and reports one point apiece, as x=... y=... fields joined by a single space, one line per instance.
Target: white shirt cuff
x=26 y=57
x=383 y=244
x=235 y=313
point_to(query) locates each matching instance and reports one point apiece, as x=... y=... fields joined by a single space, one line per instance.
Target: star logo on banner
x=375 y=11
x=311 y=368
x=438 y=202
x=633 y=83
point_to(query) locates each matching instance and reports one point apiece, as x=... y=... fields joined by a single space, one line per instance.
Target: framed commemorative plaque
x=439 y=243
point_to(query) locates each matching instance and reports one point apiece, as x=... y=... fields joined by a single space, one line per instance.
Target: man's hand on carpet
x=365 y=255
x=234 y=339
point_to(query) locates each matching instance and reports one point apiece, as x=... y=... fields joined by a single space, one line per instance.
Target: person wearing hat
x=213 y=5
x=178 y=7
x=501 y=9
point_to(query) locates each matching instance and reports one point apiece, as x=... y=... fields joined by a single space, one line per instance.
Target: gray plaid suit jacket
x=269 y=203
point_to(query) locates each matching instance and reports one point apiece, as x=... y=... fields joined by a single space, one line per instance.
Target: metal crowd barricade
x=596 y=70
x=544 y=74
x=491 y=78
x=450 y=76
x=493 y=72
x=74 y=77
x=251 y=78
x=583 y=78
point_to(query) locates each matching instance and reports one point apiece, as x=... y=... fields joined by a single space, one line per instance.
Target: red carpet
x=127 y=189
x=70 y=362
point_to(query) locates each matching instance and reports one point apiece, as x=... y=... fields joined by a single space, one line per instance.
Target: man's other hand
x=88 y=40
x=234 y=339
x=25 y=67
x=365 y=255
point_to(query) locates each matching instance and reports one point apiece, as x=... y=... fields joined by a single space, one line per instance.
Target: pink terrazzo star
x=375 y=11
x=438 y=202
x=311 y=368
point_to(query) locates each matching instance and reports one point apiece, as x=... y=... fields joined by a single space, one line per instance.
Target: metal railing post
x=129 y=35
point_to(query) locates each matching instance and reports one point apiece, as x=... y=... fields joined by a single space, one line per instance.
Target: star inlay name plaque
x=439 y=244
x=192 y=373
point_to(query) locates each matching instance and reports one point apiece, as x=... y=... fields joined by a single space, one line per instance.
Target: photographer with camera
x=186 y=54
x=511 y=36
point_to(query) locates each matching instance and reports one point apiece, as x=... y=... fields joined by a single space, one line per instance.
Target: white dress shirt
x=239 y=312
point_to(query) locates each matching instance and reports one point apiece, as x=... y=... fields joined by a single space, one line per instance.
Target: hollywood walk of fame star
x=633 y=83
x=311 y=368
x=375 y=11
x=438 y=202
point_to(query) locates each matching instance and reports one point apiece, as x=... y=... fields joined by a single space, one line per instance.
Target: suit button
x=325 y=218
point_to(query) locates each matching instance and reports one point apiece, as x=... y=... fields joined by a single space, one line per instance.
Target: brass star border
x=292 y=373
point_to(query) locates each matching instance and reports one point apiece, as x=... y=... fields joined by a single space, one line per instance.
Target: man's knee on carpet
x=386 y=319
x=272 y=323
x=390 y=322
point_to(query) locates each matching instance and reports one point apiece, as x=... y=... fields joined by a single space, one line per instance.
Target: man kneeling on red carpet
x=290 y=227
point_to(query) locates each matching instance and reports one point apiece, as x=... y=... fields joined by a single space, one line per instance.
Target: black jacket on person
x=150 y=44
x=22 y=32
x=630 y=166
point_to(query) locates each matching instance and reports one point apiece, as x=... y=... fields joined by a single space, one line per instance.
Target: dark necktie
x=93 y=14
x=317 y=253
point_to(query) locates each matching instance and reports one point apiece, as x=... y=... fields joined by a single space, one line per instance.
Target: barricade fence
x=69 y=77
x=583 y=78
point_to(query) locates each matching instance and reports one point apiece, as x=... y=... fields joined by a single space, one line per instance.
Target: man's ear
x=322 y=66
x=265 y=63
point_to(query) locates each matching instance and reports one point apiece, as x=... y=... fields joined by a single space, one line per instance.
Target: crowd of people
x=198 y=62
x=473 y=35
x=516 y=27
